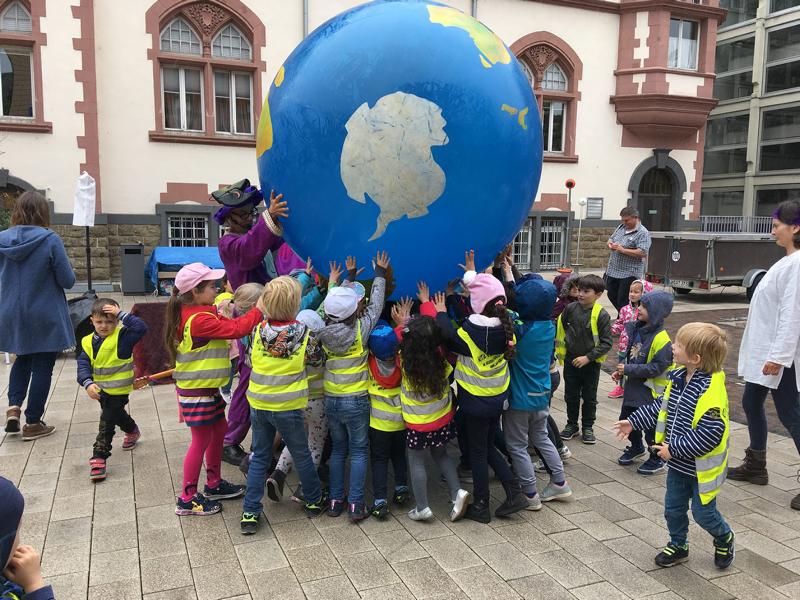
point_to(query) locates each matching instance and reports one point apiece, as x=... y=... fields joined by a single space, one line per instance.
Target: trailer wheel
x=682 y=291
x=752 y=288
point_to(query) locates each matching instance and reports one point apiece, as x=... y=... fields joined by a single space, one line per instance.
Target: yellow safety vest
x=347 y=373
x=385 y=412
x=277 y=384
x=114 y=375
x=316 y=387
x=481 y=374
x=205 y=367
x=221 y=297
x=659 y=383
x=712 y=467
x=561 y=335
x=421 y=409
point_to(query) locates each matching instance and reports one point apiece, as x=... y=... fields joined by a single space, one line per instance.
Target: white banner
x=83 y=215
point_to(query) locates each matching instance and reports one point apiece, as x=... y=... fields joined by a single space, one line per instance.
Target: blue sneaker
x=631 y=453
x=357 y=511
x=652 y=465
x=197 y=506
x=223 y=491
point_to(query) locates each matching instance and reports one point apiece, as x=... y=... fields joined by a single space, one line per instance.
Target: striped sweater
x=685 y=443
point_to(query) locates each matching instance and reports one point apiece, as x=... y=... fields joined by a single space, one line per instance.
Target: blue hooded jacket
x=535 y=332
x=34 y=272
x=640 y=336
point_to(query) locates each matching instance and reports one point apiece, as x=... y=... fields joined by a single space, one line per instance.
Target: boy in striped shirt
x=691 y=423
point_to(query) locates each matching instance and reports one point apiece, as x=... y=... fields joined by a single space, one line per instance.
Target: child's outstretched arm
x=645 y=417
x=133 y=330
x=214 y=327
x=451 y=340
x=376 y=296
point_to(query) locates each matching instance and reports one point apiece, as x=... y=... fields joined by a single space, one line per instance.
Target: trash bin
x=133 y=269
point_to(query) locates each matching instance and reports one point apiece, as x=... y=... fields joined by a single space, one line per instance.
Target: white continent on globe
x=387 y=155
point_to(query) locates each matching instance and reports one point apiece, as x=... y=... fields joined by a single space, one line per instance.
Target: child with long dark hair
x=195 y=335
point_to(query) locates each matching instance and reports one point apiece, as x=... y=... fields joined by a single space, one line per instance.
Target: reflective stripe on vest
x=205 y=367
x=385 y=411
x=421 y=409
x=481 y=374
x=561 y=335
x=658 y=384
x=347 y=373
x=112 y=374
x=316 y=387
x=711 y=467
x=276 y=383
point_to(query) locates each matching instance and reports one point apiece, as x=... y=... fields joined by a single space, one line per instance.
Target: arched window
x=16 y=19
x=178 y=37
x=554 y=78
x=230 y=43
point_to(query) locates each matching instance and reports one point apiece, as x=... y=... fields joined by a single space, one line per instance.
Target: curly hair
x=423 y=364
x=496 y=308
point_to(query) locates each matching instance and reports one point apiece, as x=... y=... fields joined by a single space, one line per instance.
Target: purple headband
x=776 y=215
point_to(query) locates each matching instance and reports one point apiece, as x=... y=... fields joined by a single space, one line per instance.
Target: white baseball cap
x=340 y=303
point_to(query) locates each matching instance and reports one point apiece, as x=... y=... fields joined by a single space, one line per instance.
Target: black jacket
x=578 y=330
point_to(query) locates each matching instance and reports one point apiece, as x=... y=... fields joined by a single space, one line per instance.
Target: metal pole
x=578 y=259
x=305 y=19
x=88 y=263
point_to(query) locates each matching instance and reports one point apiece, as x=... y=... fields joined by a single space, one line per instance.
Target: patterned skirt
x=419 y=440
x=201 y=410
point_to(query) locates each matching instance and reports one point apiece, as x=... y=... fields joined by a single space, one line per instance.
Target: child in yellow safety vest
x=105 y=370
x=195 y=337
x=692 y=429
x=387 y=430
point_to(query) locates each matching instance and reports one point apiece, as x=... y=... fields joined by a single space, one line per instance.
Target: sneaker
x=297 y=495
x=564 y=452
x=652 y=465
x=538 y=466
x=401 y=495
x=555 y=492
x=233 y=455
x=275 y=484
x=459 y=506
x=630 y=454
x=314 y=509
x=569 y=431
x=357 y=511
x=534 y=502
x=97 y=469
x=464 y=474
x=244 y=466
x=198 y=506
x=380 y=510
x=249 y=523
x=617 y=392
x=587 y=436
x=12 y=419
x=130 y=439
x=335 y=508
x=426 y=514
x=672 y=555
x=223 y=491
x=34 y=431
x=723 y=552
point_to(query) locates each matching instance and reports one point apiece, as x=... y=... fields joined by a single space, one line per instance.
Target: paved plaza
x=120 y=539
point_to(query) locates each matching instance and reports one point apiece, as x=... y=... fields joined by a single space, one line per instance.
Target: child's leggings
x=419 y=476
x=317 y=428
x=206 y=441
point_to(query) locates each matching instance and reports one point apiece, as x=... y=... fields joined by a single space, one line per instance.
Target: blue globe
x=404 y=126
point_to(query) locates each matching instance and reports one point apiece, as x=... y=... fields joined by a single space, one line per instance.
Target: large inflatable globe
x=403 y=126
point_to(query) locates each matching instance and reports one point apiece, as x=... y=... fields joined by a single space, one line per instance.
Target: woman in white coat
x=769 y=357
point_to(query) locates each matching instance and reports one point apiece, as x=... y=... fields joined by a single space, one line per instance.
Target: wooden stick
x=146 y=380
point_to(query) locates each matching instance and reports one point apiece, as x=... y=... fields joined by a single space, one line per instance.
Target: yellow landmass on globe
x=521 y=114
x=491 y=48
x=279 y=77
x=264 y=134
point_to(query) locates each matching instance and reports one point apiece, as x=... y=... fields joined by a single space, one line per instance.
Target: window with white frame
x=188 y=231
x=179 y=38
x=183 y=98
x=554 y=112
x=780 y=139
x=230 y=43
x=734 y=65
x=16 y=82
x=783 y=59
x=233 y=102
x=779 y=5
x=522 y=246
x=739 y=11
x=683 y=44
x=15 y=19
x=726 y=145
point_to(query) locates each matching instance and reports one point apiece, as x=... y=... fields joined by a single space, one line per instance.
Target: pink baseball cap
x=191 y=275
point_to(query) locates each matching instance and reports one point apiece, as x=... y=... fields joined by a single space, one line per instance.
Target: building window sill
x=559 y=158
x=213 y=140
x=28 y=126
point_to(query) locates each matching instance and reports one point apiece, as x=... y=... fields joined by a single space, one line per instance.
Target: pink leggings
x=206 y=440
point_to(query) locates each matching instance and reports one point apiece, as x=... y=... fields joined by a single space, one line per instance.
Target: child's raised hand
x=622 y=428
x=439 y=302
x=401 y=311
x=110 y=309
x=277 y=206
x=93 y=391
x=309 y=266
x=469 y=261
x=335 y=272
x=24 y=569
x=423 y=293
x=381 y=260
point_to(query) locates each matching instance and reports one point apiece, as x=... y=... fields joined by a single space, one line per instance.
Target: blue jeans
x=34 y=370
x=290 y=424
x=348 y=419
x=680 y=489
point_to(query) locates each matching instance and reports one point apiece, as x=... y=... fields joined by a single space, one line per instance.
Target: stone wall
x=123 y=235
x=594 y=252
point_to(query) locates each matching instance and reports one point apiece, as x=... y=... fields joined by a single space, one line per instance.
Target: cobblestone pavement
x=120 y=538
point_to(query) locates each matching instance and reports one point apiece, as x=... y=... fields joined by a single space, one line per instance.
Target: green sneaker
x=723 y=552
x=569 y=431
x=587 y=436
x=672 y=555
x=249 y=523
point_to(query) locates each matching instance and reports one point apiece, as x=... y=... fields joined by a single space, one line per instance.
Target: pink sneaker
x=130 y=439
x=617 y=392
